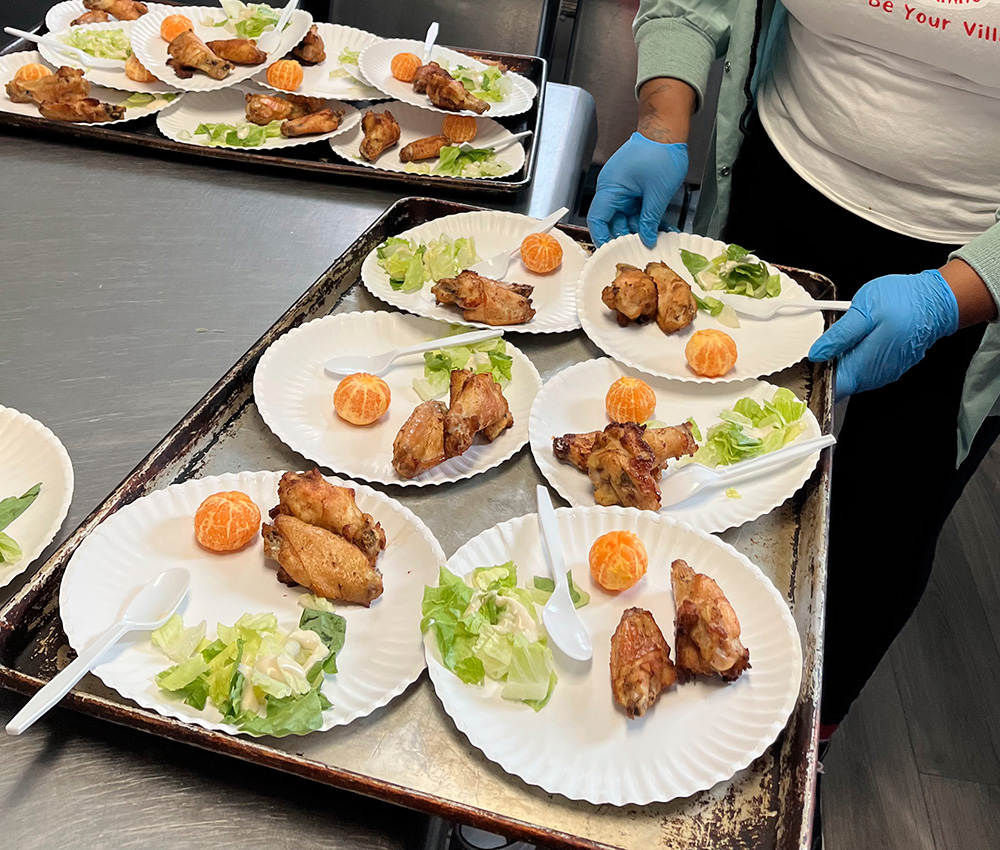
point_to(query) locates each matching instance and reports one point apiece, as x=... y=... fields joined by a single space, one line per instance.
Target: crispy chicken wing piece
x=124 y=10
x=381 y=133
x=675 y=304
x=640 y=662
x=239 y=51
x=672 y=441
x=632 y=295
x=477 y=405
x=450 y=94
x=419 y=445
x=65 y=84
x=622 y=468
x=189 y=53
x=321 y=561
x=312 y=499
x=262 y=109
x=492 y=302
x=96 y=17
x=324 y=121
x=429 y=148
x=87 y=110
x=424 y=74
x=707 y=631
x=311 y=50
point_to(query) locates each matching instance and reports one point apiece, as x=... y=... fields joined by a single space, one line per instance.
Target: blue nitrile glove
x=892 y=322
x=634 y=188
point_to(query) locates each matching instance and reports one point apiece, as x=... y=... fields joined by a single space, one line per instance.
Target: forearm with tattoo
x=665 y=109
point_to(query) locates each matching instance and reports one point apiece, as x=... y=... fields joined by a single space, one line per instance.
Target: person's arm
x=665 y=109
x=975 y=302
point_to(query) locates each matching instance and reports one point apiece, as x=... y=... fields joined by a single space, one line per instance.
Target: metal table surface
x=128 y=285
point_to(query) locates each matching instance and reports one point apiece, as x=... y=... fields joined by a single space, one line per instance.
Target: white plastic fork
x=80 y=56
x=496 y=266
x=765 y=308
x=378 y=364
x=271 y=40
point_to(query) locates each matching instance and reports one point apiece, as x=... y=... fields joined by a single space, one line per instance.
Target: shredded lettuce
x=479 y=162
x=105 y=44
x=544 y=588
x=242 y=135
x=491 y=83
x=349 y=57
x=731 y=272
x=411 y=264
x=490 y=356
x=246 y=20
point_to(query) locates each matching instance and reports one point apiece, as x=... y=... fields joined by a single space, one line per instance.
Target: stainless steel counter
x=128 y=285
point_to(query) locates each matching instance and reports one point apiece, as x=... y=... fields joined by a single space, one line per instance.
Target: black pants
x=894 y=476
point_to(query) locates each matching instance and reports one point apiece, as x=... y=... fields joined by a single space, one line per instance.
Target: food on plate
x=640 y=662
x=324 y=121
x=490 y=356
x=543 y=588
x=264 y=108
x=707 y=630
x=710 y=353
x=460 y=128
x=87 y=110
x=654 y=293
x=263 y=680
x=481 y=299
x=429 y=148
x=30 y=72
x=285 y=74
x=491 y=83
x=123 y=10
x=303 y=539
x=227 y=521
x=241 y=135
x=410 y=264
x=239 y=51
x=733 y=272
x=360 y=399
x=173 y=25
x=10 y=509
x=62 y=96
x=246 y=20
x=135 y=70
x=105 y=43
x=445 y=92
x=188 y=54
x=419 y=444
x=96 y=17
x=630 y=400
x=617 y=560
x=486 y=627
x=381 y=132
x=453 y=161
x=311 y=50
x=423 y=75
x=541 y=253
x=404 y=66
x=625 y=460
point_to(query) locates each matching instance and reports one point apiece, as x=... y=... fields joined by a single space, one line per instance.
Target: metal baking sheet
x=409 y=752
x=317 y=159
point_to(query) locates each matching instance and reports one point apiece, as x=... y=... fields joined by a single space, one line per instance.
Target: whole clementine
x=404 y=66
x=361 y=398
x=711 y=353
x=227 y=521
x=630 y=400
x=618 y=560
x=459 y=128
x=285 y=74
x=29 y=73
x=541 y=253
x=173 y=25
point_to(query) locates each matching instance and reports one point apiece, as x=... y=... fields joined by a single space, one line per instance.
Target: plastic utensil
x=429 y=39
x=681 y=484
x=765 y=308
x=74 y=53
x=496 y=266
x=149 y=609
x=271 y=40
x=502 y=146
x=559 y=615
x=378 y=364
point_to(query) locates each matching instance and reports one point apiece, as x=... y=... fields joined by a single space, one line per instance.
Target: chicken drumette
x=657 y=292
x=381 y=133
x=429 y=148
x=481 y=299
x=123 y=10
x=311 y=50
x=262 y=109
x=96 y=17
x=64 y=85
x=189 y=53
x=419 y=445
x=640 y=662
x=448 y=93
x=323 y=121
x=86 y=110
x=239 y=51
x=477 y=406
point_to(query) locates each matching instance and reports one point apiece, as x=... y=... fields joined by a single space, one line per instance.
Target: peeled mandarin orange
x=618 y=560
x=541 y=253
x=225 y=522
x=361 y=398
x=459 y=128
x=173 y=25
x=710 y=353
x=630 y=400
x=285 y=74
x=404 y=66
x=28 y=73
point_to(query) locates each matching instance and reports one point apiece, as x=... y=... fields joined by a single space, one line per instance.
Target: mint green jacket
x=681 y=39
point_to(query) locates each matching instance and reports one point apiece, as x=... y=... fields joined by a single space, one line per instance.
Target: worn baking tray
x=409 y=752
x=317 y=159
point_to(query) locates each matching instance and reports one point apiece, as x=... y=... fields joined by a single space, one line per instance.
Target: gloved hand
x=892 y=322
x=634 y=188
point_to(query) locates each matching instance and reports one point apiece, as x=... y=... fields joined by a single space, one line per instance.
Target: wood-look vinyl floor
x=916 y=766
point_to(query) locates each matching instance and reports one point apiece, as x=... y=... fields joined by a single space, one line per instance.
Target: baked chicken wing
x=189 y=54
x=632 y=295
x=321 y=561
x=622 y=468
x=381 y=133
x=65 y=84
x=477 y=406
x=640 y=662
x=675 y=304
x=323 y=121
x=448 y=93
x=492 y=302
x=262 y=109
x=311 y=50
x=707 y=636
x=424 y=74
x=239 y=51
x=124 y=10
x=419 y=445
x=668 y=443
x=87 y=110
x=97 y=17
x=429 y=148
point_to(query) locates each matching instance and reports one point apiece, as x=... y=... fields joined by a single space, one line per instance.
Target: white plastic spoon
x=378 y=364
x=74 y=53
x=150 y=609
x=429 y=39
x=501 y=146
x=271 y=40
x=496 y=266
x=765 y=308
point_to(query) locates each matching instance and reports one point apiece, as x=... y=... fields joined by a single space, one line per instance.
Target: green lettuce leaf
x=332 y=629
x=10 y=551
x=529 y=677
x=545 y=587
x=294 y=715
x=13 y=506
x=176 y=642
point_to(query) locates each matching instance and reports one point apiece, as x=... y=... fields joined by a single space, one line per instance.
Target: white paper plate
x=10 y=63
x=416 y=123
x=30 y=453
x=149 y=46
x=764 y=346
x=573 y=402
x=59 y=17
x=295 y=398
x=582 y=745
x=228 y=106
x=114 y=78
x=375 y=64
x=316 y=80
x=383 y=652
x=554 y=298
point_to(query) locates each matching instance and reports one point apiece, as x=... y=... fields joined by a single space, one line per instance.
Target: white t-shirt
x=892 y=110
